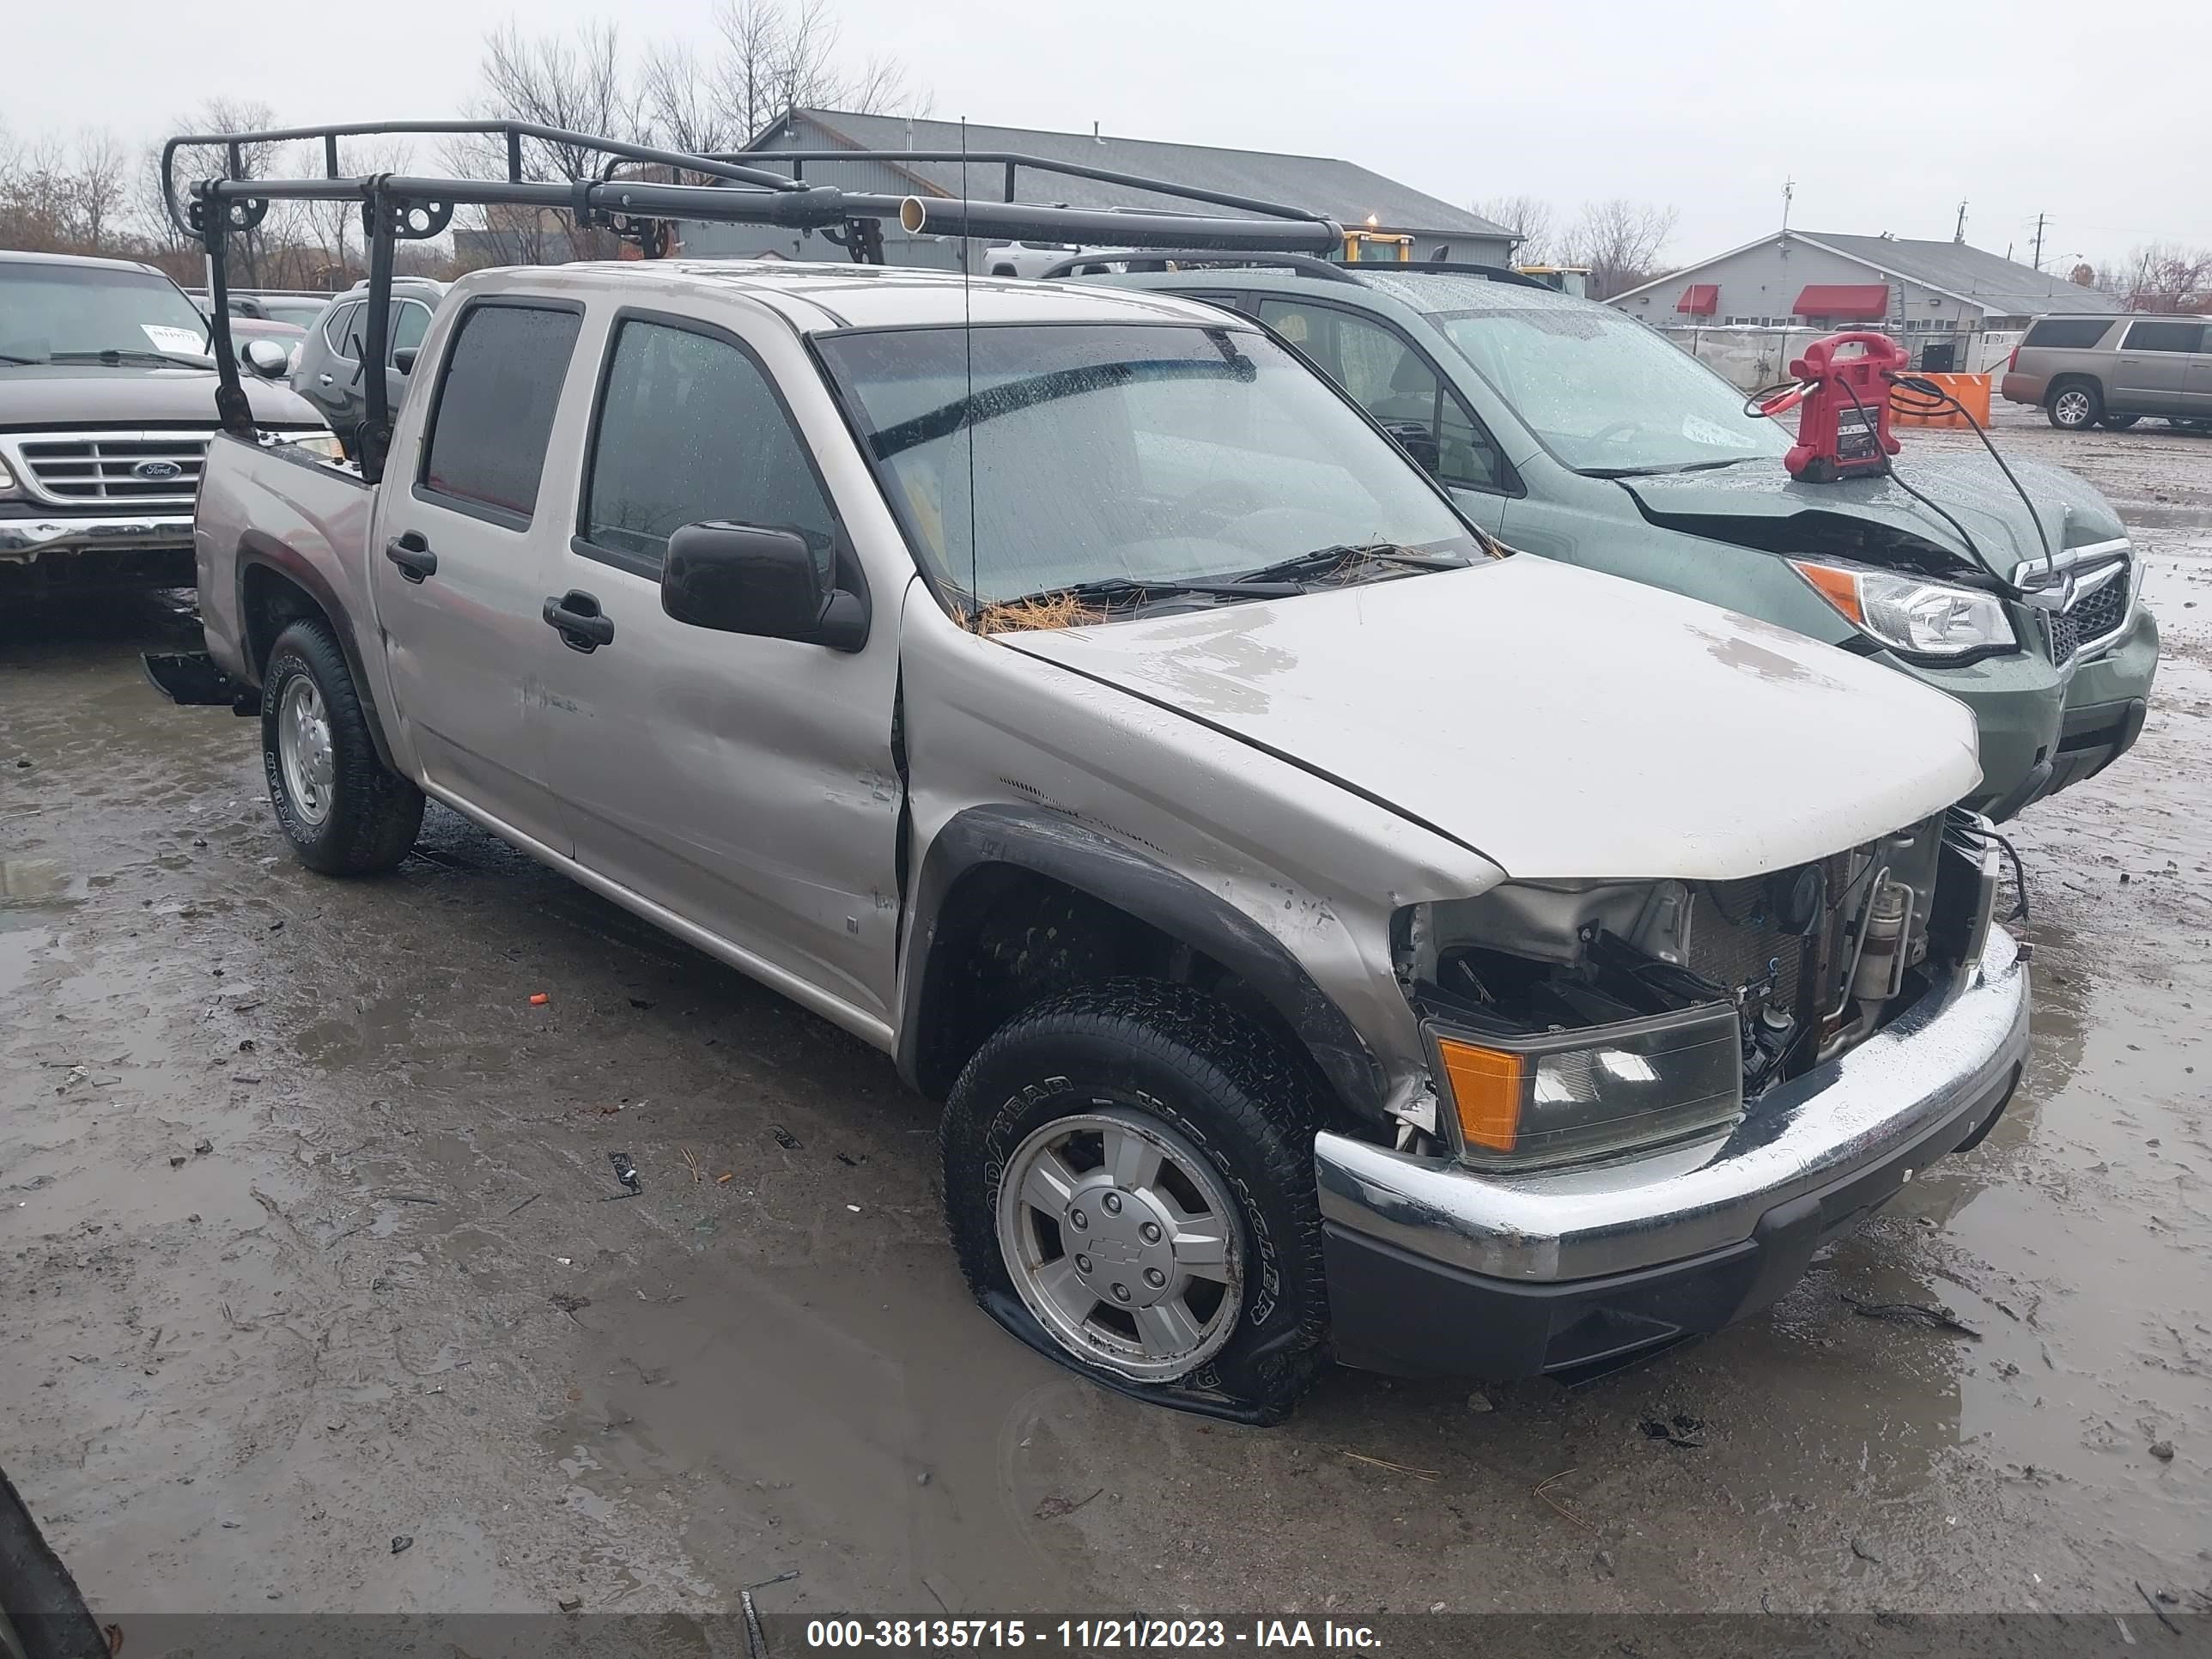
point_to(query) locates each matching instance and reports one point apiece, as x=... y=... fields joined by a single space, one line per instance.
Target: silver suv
x=2113 y=371
x=1326 y=933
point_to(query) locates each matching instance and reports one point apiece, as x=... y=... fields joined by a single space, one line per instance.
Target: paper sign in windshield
x=165 y=338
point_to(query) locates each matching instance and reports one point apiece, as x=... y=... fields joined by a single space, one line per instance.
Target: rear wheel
x=1128 y=1178
x=2118 y=422
x=344 y=812
x=2075 y=405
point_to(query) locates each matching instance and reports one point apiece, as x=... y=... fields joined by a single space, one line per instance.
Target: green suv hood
x=1970 y=487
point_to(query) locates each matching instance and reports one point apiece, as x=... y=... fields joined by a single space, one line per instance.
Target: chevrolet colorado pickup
x=1327 y=934
x=107 y=401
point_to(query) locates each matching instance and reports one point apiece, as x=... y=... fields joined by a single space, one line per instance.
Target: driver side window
x=689 y=429
x=1393 y=383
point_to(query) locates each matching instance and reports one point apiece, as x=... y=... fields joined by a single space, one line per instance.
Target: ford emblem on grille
x=152 y=470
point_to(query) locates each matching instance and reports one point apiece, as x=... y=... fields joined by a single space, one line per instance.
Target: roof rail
x=413 y=207
x=1504 y=274
x=1305 y=264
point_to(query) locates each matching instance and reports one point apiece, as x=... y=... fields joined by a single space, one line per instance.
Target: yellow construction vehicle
x=1387 y=246
x=1567 y=279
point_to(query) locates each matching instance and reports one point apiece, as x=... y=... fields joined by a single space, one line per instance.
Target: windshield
x=1606 y=394
x=64 y=311
x=1106 y=453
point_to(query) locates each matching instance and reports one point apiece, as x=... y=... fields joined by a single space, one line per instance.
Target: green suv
x=1568 y=429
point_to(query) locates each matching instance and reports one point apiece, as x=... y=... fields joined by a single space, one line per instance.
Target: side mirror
x=1418 y=442
x=403 y=359
x=267 y=359
x=744 y=579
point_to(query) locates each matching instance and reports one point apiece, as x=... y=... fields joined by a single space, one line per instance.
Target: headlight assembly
x=1558 y=1094
x=1916 y=615
x=325 y=443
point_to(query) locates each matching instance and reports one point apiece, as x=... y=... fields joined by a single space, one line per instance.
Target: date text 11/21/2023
x=1088 y=1635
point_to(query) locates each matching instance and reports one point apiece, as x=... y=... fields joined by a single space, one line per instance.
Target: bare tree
x=1620 y=242
x=2160 y=276
x=576 y=84
x=1528 y=214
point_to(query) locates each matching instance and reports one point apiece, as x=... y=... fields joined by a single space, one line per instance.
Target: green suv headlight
x=1558 y=1094
x=1912 y=613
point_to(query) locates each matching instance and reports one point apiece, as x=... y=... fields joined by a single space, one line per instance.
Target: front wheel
x=1128 y=1178
x=2076 y=406
x=344 y=812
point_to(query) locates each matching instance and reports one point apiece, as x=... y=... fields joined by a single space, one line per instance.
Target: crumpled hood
x=1562 y=723
x=53 y=395
x=2073 y=511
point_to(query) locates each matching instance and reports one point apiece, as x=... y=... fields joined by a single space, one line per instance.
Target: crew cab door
x=745 y=784
x=458 y=555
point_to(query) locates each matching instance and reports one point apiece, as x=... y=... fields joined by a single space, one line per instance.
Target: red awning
x=1857 y=299
x=1700 y=298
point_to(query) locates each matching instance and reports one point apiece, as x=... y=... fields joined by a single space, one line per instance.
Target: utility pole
x=2039 y=242
x=1789 y=190
x=1959 y=234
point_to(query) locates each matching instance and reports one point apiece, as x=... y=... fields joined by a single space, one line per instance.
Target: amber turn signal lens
x=1838 y=588
x=1487 y=1088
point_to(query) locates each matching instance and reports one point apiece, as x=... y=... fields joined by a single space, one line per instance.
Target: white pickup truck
x=1328 y=933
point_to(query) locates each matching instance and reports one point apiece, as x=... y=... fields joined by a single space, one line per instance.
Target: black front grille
x=2099 y=611
x=2065 y=633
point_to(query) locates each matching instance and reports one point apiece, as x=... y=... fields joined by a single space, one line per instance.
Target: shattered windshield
x=1606 y=394
x=65 y=314
x=1090 y=454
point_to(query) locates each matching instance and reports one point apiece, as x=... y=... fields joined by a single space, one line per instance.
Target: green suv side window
x=1393 y=382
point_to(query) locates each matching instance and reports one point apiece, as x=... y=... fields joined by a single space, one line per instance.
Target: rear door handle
x=412 y=555
x=576 y=616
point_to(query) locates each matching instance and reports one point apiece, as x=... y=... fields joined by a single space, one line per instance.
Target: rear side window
x=2076 y=333
x=689 y=429
x=337 y=328
x=2162 y=335
x=496 y=399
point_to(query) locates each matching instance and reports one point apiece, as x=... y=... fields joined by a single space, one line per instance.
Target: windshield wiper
x=10 y=357
x=1110 y=590
x=1668 y=469
x=116 y=356
x=1343 y=558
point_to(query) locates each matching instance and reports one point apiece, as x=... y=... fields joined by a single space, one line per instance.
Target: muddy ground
x=307 y=1244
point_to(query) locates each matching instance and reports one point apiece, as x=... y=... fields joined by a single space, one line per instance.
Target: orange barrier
x=1970 y=390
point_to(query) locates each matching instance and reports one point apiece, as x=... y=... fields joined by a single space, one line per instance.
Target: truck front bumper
x=1434 y=1269
x=23 y=540
x=131 y=550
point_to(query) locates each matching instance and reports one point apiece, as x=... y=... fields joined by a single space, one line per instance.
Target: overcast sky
x=2096 y=117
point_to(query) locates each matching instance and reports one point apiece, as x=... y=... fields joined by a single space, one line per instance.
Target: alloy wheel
x=1123 y=1240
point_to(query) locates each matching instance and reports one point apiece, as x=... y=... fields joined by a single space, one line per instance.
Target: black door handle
x=412 y=555
x=575 y=616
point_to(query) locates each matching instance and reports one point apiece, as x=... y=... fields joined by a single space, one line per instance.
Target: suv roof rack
x=398 y=207
x=1304 y=264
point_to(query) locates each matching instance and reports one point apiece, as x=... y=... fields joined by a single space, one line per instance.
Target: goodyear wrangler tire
x=343 y=812
x=1129 y=1182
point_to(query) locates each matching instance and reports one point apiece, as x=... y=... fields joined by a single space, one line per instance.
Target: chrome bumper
x=22 y=540
x=1932 y=1068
